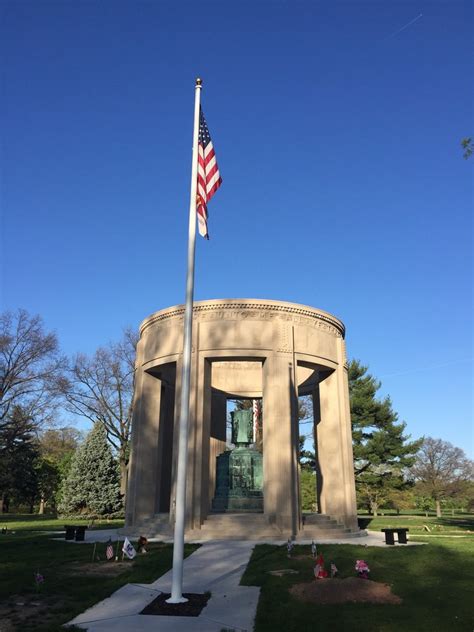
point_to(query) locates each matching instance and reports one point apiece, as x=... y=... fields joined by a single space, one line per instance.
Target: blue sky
x=337 y=128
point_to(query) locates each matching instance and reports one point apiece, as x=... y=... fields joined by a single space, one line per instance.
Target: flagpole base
x=178 y=600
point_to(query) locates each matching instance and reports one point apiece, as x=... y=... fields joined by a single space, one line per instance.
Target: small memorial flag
x=208 y=176
x=128 y=549
x=109 y=551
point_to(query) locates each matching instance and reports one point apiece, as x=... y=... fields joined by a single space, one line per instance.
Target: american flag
x=209 y=178
x=109 y=551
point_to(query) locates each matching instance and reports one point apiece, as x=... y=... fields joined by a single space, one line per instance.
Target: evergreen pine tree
x=381 y=450
x=92 y=486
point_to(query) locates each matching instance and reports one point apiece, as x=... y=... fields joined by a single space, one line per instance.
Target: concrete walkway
x=217 y=567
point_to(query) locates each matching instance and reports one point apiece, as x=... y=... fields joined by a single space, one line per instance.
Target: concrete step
x=317 y=519
x=153 y=527
x=322 y=534
x=243 y=526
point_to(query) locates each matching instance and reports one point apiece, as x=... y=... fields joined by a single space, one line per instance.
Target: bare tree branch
x=101 y=388
x=30 y=366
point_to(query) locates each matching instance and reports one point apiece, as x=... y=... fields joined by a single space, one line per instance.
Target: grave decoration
x=334 y=570
x=128 y=549
x=314 y=551
x=289 y=546
x=319 y=571
x=39 y=580
x=142 y=542
x=109 y=550
x=362 y=569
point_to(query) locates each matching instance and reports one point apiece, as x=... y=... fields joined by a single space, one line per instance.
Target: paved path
x=217 y=567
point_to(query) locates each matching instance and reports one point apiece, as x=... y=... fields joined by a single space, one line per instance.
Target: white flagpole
x=178 y=547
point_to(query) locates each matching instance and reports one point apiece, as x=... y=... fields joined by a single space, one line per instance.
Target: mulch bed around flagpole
x=191 y=608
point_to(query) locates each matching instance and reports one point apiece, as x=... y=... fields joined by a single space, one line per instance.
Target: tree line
x=55 y=468
x=390 y=469
x=36 y=382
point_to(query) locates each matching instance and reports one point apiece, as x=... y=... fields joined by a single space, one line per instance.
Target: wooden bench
x=401 y=534
x=75 y=532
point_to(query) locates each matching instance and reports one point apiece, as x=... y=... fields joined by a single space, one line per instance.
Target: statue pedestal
x=239 y=481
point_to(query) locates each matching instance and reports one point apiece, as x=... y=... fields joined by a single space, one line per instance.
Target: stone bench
x=75 y=532
x=401 y=534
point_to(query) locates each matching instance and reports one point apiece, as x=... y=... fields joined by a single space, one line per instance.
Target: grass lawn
x=30 y=522
x=72 y=582
x=434 y=582
x=459 y=524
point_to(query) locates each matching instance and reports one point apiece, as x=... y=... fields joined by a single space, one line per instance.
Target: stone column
x=217 y=440
x=177 y=411
x=345 y=430
x=192 y=433
x=316 y=420
x=335 y=450
x=198 y=475
x=135 y=437
x=165 y=454
x=280 y=466
x=145 y=473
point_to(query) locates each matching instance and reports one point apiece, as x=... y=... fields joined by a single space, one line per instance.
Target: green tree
x=308 y=490
x=422 y=501
x=442 y=471
x=48 y=478
x=57 y=446
x=18 y=458
x=382 y=452
x=307 y=457
x=92 y=487
x=101 y=388
x=399 y=499
x=30 y=370
x=57 y=442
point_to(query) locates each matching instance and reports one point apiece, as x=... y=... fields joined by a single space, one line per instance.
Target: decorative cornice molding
x=251 y=309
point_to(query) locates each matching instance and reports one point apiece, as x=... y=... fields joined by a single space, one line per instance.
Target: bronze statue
x=242 y=427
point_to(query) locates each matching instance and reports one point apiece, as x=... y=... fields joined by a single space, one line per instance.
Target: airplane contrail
x=406 y=26
x=426 y=368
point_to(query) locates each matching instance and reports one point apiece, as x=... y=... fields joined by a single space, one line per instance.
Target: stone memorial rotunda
x=251 y=360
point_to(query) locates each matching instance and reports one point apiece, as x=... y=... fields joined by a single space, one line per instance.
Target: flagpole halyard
x=178 y=546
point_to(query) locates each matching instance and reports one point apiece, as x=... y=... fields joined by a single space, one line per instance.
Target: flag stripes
x=109 y=551
x=208 y=178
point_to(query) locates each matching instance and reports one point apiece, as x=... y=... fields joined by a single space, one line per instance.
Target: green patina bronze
x=239 y=475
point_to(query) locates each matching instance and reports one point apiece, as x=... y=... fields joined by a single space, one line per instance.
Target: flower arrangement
x=319 y=570
x=39 y=580
x=362 y=569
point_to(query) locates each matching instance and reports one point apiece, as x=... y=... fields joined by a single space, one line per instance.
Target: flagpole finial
x=198 y=82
